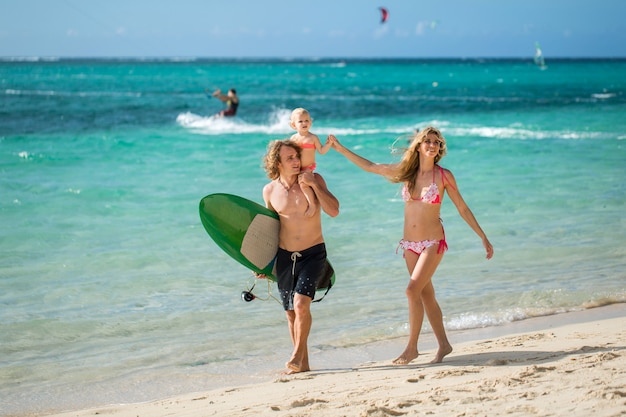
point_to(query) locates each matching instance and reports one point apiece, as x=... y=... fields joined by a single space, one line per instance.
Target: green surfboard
x=247 y=232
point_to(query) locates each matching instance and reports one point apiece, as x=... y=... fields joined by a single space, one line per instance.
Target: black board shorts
x=301 y=272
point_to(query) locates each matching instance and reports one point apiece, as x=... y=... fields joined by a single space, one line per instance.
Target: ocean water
x=111 y=291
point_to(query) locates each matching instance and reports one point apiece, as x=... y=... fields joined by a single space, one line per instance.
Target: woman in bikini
x=301 y=122
x=423 y=242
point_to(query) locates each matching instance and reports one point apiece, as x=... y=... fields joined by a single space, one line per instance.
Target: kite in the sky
x=384 y=14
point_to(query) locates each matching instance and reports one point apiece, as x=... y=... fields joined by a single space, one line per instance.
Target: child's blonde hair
x=299 y=110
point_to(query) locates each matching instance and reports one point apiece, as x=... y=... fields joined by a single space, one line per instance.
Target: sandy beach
x=571 y=364
x=115 y=300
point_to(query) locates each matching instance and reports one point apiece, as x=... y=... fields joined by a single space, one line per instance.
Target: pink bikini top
x=431 y=196
x=307 y=146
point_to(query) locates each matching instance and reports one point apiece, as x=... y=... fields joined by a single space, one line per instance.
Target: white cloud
x=217 y=31
x=420 y=28
x=401 y=33
x=381 y=31
x=336 y=34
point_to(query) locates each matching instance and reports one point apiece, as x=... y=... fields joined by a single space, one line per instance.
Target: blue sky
x=318 y=28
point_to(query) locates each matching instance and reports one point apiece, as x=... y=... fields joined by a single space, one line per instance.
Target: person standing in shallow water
x=301 y=263
x=423 y=242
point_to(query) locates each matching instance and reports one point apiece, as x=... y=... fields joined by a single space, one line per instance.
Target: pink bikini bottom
x=422 y=245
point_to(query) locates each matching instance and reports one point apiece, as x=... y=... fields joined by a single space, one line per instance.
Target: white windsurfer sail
x=539 y=56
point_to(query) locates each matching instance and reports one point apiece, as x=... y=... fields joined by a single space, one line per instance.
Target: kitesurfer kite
x=384 y=14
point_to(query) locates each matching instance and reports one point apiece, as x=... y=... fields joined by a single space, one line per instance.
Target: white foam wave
x=13 y=92
x=603 y=96
x=29 y=59
x=278 y=123
x=512 y=132
x=488 y=319
x=517 y=132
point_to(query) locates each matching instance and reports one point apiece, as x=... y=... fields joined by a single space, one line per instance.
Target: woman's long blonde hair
x=410 y=162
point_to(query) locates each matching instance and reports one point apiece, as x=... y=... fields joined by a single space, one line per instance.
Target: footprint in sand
x=306 y=402
x=382 y=412
x=534 y=370
x=454 y=372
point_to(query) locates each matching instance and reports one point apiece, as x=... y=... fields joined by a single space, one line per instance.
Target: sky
x=312 y=29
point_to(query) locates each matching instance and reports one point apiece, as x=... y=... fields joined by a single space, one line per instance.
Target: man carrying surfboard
x=301 y=260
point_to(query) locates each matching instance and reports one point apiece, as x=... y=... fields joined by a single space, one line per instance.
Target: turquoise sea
x=112 y=292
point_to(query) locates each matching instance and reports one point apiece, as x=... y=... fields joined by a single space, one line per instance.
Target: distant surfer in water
x=301 y=263
x=231 y=100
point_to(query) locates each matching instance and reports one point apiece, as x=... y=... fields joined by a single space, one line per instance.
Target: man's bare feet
x=441 y=353
x=407 y=357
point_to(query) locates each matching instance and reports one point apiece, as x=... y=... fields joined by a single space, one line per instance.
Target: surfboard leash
x=248 y=295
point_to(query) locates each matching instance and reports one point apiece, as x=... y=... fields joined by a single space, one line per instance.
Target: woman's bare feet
x=441 y=353
x=294 y=368
x=407 y=357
